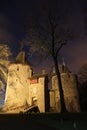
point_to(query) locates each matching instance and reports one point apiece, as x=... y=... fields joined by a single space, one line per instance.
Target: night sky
x=14 y=19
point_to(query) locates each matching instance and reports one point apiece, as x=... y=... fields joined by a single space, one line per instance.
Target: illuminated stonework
x=69 y=85
x=38 y=92
x=25 y=90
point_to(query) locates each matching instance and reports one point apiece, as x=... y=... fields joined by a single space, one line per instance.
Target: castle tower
x=17 y=91
x=69 y=85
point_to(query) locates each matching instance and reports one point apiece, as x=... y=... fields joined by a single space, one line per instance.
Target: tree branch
x=57 y=52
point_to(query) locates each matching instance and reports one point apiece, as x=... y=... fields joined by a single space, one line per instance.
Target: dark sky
x=15 y=16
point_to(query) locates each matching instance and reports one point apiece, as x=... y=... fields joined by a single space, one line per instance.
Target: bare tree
x=48 y=37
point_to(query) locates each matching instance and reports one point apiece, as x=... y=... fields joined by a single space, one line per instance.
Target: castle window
x=17 y=68
x=68 y=75
x=75 y=97
x=34 y=81
x=63 y=68
x=10 y=74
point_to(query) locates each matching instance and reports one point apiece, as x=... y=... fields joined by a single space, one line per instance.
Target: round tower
x=69 y=84
x=70 y=91
x=17 y=91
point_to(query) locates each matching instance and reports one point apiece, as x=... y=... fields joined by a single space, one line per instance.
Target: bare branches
x=60 y=47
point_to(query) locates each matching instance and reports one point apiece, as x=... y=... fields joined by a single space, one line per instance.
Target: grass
x=52 y=121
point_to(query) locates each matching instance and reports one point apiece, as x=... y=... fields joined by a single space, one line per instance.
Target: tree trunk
x=62 y=102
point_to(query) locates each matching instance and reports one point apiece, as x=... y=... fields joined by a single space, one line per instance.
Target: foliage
x=5 y=52
x=34 y=41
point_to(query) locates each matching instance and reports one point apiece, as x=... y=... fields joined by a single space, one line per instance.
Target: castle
x=26 y=89
x=70 y=90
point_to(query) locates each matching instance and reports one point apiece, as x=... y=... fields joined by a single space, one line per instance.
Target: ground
x=41 y=121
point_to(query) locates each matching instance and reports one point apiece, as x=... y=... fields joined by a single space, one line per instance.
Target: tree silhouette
x=82 y=73
x=82 y=79
x=47 y=36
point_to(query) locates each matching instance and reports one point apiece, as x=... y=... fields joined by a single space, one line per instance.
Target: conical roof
x=21 y=58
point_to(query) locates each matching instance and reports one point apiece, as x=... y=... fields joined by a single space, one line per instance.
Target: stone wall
x=17 y=91
x=38 y=91
x=69 y=85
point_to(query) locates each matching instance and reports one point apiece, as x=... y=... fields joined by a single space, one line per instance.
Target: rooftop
x=21 y=58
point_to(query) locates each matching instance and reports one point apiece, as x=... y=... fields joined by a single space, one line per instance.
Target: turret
x=17 y=91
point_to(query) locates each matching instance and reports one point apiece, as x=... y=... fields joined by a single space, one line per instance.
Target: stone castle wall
x=17 y=91
x=37 y=91
x=69 y=85
x=23 y=88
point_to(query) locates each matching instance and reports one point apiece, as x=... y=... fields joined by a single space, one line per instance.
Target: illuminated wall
x=24 y=89
x=17 y=92
x=69 y=85
x=38 y=92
